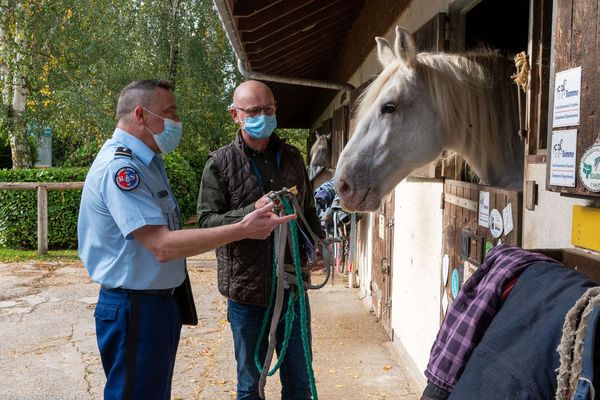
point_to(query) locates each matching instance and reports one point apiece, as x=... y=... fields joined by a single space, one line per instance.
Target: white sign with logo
x=589 y=168
x=445 y=265
x=484 y=209
x=567 y=97
x=508 y=219
x=496 y=226
x=563 y=163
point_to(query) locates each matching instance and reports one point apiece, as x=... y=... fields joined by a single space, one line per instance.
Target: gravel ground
x=48 y=347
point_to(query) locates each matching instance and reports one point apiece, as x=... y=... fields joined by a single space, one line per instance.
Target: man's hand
x=260 y=223
x=263 y=201
x=319 y=263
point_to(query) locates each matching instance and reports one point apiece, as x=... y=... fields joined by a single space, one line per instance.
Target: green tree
x=80 y=54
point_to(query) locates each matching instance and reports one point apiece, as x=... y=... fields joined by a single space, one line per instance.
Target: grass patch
x=12 y=255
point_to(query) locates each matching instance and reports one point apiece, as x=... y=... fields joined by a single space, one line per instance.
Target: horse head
x=320 y=156
x=398 y=129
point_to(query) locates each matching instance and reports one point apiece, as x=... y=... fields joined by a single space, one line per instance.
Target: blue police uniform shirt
x=124 y=192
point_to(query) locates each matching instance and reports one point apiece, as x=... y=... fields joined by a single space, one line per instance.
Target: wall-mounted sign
x=496 y=226
x=484 y=209
x=488 y=247
x=382 y=226
x=455 y=283
x=563 y=163
x=508 y=219
x=567 y=97
x=589 y=168
x=445 y=265
x=444 y=303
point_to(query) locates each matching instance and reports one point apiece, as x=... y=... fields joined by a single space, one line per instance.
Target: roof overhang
x=291 y=45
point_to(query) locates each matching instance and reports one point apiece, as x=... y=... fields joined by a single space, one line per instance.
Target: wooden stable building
x=433 y=231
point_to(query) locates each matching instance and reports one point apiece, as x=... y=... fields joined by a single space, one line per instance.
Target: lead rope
x=277 y=294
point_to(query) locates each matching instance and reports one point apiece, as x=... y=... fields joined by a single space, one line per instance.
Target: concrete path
x=48 y=347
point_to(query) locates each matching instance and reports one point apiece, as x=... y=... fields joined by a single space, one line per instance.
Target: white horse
x=320 y=156
x=422 y=104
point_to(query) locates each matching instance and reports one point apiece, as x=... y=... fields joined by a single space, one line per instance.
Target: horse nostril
x=343 y=187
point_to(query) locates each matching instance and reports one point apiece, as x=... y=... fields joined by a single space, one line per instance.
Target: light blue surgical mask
x=261 y=126
x=169 y=138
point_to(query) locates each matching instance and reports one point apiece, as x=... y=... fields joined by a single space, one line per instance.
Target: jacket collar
x=275 y=145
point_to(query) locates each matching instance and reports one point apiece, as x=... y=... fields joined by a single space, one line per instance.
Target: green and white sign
x=589 y=168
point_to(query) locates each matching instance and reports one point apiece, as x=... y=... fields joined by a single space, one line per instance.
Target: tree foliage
x=78 y=55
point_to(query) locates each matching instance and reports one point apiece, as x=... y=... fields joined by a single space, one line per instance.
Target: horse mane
x=470 y=91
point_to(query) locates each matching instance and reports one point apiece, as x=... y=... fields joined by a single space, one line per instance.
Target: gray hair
x=139 y=93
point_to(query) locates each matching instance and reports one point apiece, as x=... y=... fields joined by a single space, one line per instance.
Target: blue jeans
x=246 y=321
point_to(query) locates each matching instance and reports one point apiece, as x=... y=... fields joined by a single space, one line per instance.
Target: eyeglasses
x=253 y=111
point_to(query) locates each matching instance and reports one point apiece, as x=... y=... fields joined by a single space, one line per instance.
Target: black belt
x=153 y=292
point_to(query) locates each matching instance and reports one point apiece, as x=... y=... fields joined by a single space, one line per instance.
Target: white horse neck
x=476 y=102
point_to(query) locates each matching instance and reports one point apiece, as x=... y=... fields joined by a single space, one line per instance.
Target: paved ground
x=48 y=347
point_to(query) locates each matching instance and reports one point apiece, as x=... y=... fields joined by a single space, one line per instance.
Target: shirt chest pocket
x=169 y=209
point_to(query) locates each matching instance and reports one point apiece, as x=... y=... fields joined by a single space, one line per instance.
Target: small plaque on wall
x=589 y=168
x=567 y=97
x=563 y=158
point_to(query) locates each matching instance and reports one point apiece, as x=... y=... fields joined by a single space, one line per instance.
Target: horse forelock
x=367 y=99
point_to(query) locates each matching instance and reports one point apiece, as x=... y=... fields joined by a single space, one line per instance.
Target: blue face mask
x=169 y=138
x=261 y=126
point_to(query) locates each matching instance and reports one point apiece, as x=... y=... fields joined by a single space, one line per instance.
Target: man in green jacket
x=235 y=182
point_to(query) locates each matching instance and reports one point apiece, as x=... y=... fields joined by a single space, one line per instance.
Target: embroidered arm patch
x=127 y=178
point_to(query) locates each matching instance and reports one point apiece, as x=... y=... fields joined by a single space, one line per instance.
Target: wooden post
x=42 y=211
x=42 y=203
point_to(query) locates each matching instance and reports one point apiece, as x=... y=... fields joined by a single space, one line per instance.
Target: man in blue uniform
x=131 y=243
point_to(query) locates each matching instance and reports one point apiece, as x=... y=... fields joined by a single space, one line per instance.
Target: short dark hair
x=139 y=93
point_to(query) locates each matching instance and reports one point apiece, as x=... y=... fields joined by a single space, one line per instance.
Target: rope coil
x=274 y=304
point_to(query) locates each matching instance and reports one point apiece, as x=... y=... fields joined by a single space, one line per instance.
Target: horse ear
x=404 y=46
x=385 y=54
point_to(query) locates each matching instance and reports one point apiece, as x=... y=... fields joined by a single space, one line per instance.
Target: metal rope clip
x=276 y=196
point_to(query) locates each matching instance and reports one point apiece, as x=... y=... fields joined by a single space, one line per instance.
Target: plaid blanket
x=472 y=312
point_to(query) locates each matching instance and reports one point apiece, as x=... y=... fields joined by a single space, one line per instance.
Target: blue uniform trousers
x=246 y=321
x=137 y=336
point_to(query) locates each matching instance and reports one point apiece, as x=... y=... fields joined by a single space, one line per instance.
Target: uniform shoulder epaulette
x=123 y=152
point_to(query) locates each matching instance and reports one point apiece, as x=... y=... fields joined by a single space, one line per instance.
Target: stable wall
x=417 y=264
x=549 y=225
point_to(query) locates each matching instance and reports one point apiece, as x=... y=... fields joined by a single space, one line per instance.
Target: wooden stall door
x=381 y=283
x=339 y=134
x=465 y=241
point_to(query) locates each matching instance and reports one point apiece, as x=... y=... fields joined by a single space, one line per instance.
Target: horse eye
x=388 y=108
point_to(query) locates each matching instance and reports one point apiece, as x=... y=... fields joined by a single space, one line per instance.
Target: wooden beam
x=300 y=44
x=245 y=7
x=295 y=38
x=286 y=59
x=35 y=185
x=291 y=23
x=277 y=11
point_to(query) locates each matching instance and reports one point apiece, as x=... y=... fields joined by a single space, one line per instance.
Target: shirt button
x=271 y=180
x=266 y=162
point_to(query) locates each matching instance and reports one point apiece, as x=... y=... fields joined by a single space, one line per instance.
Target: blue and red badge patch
x=127 y=178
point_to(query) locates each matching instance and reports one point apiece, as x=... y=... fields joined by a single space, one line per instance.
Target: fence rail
x=42 y=204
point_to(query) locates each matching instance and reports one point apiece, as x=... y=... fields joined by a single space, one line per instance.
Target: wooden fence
x=42 y=204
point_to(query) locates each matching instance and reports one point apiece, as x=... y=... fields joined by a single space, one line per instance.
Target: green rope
x=302 y=297
x=265 y=321
x=289 y=316
x=289 y=320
